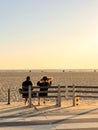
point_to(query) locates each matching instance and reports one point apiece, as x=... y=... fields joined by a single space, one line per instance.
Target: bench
x=74 y=92
x=53 y=92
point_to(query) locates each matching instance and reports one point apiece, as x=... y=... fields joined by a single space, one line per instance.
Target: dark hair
x=28 y=78
x=45 y=78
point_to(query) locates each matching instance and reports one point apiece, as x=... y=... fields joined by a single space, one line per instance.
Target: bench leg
x=58 y=102
x=39 y=101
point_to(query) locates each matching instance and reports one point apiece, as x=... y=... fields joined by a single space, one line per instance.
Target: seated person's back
x=25 y=87
x=26 y=84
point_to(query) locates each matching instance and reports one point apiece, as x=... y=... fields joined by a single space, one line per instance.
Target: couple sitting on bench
x=43 y=83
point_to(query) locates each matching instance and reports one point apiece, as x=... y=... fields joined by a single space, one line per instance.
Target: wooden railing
x=66 y=92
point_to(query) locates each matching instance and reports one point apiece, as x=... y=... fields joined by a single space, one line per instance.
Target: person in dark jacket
x=25 y=87
x=44 y=82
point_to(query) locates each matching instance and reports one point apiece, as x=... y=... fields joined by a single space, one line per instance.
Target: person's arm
x=38 y=83
x=50 y=82
x=22 y=85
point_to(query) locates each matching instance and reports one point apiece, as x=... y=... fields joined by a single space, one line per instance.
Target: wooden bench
x=53 y=92
x=67 y=92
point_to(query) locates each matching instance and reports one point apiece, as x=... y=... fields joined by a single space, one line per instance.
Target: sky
x=48 y=34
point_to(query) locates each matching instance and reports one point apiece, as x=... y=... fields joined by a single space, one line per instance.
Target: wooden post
x=8 y=96
x=74 y=94
x=30 y=104
x=58 y=103
x=66 y=92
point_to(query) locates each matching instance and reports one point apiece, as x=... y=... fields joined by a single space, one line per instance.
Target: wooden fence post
x=58 y=101
x=66 y=92
x=74 y=94
x=8 y=96
x=30 y=104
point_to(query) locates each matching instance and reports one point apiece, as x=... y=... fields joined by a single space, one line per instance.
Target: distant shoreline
x=48 y=70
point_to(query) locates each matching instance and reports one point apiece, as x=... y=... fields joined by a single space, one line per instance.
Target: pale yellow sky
x=55 y=34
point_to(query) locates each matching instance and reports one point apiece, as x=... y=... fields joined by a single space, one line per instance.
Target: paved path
x=48 y=118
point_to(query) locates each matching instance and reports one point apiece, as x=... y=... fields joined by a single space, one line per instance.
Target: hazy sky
x=48 y=34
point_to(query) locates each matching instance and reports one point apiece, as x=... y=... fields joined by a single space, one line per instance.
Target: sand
x=18 y=116
x=14 y=79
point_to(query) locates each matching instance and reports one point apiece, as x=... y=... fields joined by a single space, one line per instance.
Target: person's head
x=45 y=78
x=28 y=78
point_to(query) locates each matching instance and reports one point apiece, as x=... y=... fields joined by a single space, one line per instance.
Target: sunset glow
x=49 y=34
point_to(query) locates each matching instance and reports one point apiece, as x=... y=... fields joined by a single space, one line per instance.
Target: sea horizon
x=48 y=70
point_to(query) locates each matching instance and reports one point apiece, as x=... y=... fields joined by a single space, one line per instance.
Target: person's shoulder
x=38 y=83
x=30 y=82
x=23 y=82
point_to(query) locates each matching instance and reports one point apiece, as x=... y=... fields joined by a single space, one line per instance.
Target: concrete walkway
x=48 y=117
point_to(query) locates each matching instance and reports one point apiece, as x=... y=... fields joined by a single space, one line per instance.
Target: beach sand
x=13 y=80
x=18 y=116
